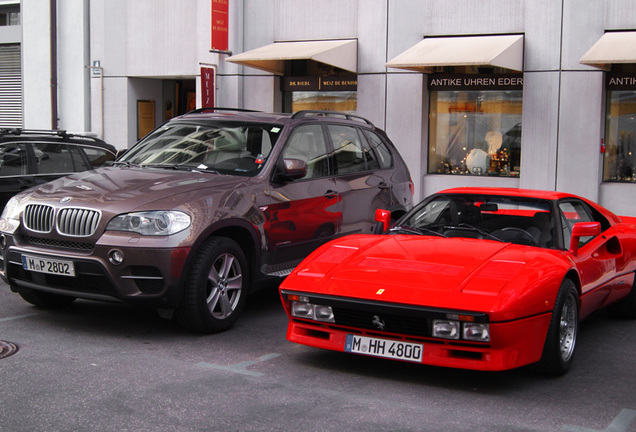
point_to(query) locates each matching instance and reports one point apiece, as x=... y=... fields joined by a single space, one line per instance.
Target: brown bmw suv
x=200 y=211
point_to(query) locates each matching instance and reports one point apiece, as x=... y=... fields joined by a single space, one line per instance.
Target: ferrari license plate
x=47 y=265
x=386 y=348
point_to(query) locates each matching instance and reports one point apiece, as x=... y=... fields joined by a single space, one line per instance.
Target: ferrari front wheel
x=558 y=350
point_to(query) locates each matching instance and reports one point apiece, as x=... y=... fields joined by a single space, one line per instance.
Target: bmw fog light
x=476 y=332
x=116 y=257
x=446 y=329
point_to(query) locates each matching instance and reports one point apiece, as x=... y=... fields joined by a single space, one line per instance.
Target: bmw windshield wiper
x=126 y=164
x=415 y=231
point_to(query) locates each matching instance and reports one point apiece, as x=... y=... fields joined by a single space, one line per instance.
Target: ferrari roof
x=530 y=193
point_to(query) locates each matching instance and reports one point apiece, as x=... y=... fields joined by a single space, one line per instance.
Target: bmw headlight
x=11 y=210
x=151 y=223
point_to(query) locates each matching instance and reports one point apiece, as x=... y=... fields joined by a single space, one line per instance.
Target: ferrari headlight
x=446 y=329
x=151 y=223
x=476 y=332
x=312 y=311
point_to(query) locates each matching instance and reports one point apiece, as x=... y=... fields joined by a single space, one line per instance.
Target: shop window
x=619 y=158
x=309 y=85
x=475 y=125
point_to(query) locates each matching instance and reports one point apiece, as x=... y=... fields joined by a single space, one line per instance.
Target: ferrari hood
x=428 y=271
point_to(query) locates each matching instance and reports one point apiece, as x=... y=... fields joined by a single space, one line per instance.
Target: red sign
x=219 y=25
x=207 y=87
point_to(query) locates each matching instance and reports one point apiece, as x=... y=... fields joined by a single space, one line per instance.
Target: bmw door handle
x=330 y=194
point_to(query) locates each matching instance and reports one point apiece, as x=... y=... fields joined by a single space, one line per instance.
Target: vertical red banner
x=207 y=87
x=219 y=25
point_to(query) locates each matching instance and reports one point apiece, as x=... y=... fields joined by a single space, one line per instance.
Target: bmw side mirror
x=583 y=229
x=292 y=169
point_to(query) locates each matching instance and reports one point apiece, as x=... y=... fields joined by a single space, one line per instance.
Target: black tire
x=560 y=342
x=44 y=299
x=216 y=288
x=626 y=307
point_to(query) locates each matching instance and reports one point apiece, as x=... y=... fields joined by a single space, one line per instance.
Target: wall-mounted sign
x=620 y=81
x=219 y=25
x=475 y=82
x=207 y=87
x=313 y=83
x=145 y=117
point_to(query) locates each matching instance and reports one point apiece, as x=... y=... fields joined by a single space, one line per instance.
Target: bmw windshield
x=228 y=148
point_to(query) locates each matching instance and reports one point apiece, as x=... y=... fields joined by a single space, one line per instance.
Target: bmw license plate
x=47 y=265
x=385 y=348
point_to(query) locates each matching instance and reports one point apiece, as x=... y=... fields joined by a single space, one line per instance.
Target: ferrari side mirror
x=583 y=229
x=383 y=219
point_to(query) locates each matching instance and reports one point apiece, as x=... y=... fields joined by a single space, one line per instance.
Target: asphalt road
x=109 y=367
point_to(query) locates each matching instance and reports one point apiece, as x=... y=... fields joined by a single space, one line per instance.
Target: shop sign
x=620 y=81
x=313 y=83
x=219 y=25
x=207 y=87
x=475 y=82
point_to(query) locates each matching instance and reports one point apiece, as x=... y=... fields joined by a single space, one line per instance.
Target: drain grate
x=7 y=349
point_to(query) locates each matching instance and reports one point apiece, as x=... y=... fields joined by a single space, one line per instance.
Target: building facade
x=514 y=93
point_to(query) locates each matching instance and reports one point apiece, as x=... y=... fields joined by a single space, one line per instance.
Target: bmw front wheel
x=216 y=287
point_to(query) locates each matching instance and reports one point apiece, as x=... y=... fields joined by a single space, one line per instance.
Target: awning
x=501 y=51
x=612 y=47
x=271 y=58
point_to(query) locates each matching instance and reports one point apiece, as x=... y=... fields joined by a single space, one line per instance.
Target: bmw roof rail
x=321 y=113
x=204 y=109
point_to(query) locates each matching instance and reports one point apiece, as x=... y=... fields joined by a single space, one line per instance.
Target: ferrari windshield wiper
x=415 y=231
x=479 y=230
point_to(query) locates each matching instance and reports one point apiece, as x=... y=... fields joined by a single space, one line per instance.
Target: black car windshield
x=511 y=219
x=230 y=147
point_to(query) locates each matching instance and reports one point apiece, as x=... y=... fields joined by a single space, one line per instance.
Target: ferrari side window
x=573 y=212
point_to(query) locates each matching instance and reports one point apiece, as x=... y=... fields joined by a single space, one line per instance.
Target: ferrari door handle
x=383 y=185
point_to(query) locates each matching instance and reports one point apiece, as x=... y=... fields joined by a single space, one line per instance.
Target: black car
x=32 y=157
x=202 y=210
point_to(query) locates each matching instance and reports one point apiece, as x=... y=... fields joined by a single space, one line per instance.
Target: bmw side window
x=381 y=150
x=13 y=160
x=53 y=158
x=350 y=153
x=96 y=157
x=573 y=212
x=307 y=143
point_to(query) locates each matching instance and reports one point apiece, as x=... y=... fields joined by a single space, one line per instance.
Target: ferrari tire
x=626 y=307
x=560 y=342
x=44 y=299
x=216 y=288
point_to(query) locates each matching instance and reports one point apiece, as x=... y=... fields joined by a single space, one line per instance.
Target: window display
x=473 y=128
x=619 y=158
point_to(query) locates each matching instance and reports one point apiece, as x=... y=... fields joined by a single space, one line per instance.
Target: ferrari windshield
x=228 y=148
x=517 y=220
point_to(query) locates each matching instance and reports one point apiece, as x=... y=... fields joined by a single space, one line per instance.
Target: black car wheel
x=45 y=299
x=216 y=288
x=558 y=351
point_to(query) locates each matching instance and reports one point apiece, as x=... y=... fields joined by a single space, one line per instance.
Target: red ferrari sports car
x=474 y=278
